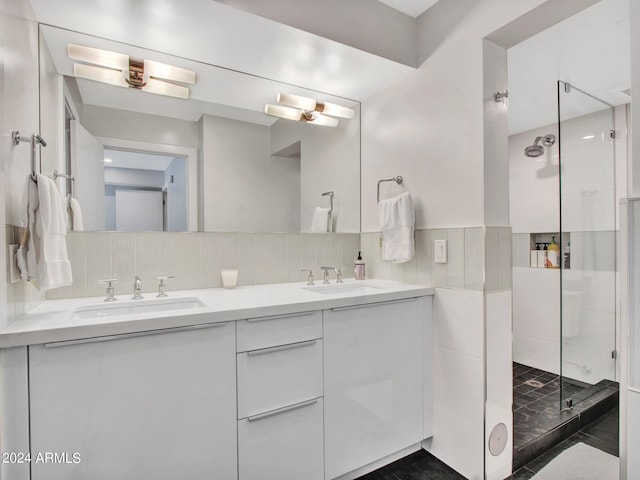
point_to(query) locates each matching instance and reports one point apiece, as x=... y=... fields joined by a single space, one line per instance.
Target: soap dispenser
x=359 y=267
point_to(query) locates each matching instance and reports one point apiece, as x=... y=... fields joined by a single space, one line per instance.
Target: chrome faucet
x=137 y=288
x=110 y=290
x=326 y=270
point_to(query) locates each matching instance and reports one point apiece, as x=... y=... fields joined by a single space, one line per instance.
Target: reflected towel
x=397 y=220
x=74 y=214
x=43 y=255
x=321 y=218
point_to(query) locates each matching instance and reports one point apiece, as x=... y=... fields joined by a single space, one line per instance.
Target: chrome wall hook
x=499 y=96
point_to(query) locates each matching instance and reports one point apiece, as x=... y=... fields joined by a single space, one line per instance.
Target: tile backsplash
x=477 y=258
x=196 y=258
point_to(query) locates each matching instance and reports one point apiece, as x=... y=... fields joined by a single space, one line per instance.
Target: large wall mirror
x=144 y=161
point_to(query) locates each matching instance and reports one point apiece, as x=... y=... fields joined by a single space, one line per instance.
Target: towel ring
x=397 y=179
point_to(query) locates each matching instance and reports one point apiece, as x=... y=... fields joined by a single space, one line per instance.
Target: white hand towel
x=75 y=213
x=47 y=261
x=397 y=220
x=321 y=218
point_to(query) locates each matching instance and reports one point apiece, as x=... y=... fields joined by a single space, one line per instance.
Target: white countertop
x=53 y=320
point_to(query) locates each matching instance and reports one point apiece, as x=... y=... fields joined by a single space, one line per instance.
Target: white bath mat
x=581 y=462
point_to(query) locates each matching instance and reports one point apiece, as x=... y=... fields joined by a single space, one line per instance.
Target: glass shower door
x=587 y=243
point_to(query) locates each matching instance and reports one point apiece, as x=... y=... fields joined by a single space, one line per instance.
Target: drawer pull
x=277 y=317
x=132 y=335
x=282 y=410
x=290 y=346
x=376 y=304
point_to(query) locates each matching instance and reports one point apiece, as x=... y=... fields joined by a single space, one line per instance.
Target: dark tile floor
x=538 y=421
x=536 y=400
x=601 y=433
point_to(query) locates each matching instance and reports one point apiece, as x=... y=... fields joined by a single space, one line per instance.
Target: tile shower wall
x=195 y=259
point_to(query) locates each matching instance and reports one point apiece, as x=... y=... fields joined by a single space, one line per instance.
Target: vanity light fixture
x=123 y=71
x=305 y=109
x=296 y=114
x=311 y=105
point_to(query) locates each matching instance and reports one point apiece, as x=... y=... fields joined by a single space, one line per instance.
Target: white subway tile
x=261 y=258
x=146 y=266
x=98 y=255
x=247 y=258
x=209 y=252
x=294 y=257
x=458 y=320
x=189 y=261
x=474 y=258
x=455 y=258
x=228 y=245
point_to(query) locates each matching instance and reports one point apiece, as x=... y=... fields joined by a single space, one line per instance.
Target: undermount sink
x=155 y=305
x=338 y=288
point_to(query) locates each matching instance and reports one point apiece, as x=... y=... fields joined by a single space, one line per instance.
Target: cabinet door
x=159 y=406
x=373 y=382
x=284 y=444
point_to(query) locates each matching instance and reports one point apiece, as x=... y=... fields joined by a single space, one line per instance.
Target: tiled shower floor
x=538 y=421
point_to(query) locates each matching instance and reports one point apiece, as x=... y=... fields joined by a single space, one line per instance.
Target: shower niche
x=539 y=243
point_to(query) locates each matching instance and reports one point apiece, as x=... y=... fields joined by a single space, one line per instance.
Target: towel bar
x=33 y=140
x=397 y=179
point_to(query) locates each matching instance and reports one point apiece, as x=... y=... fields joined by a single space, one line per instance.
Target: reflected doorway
x=144 y=191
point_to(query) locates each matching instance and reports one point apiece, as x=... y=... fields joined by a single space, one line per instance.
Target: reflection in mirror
x=218 y=162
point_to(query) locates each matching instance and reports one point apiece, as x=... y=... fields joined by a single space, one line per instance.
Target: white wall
x=430 y=128
x=19 y=111
x=244 y=188
x=329 y=161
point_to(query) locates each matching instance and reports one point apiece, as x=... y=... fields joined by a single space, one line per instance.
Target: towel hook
x=397 y=179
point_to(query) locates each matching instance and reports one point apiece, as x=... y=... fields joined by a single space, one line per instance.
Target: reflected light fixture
x=304 y=109
x=123 y=71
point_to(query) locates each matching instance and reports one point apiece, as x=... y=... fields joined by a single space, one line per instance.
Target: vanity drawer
x=264 y=332
x=276 y=377
x=283 y=444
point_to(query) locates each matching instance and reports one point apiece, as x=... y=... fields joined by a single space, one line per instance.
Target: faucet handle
x=309 y=276
x=110 y=290
x=339 y=275
x=162 y=288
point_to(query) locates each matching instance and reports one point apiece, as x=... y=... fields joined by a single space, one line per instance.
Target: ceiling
x=413 y=8
x=590 y=50
x=135 y=160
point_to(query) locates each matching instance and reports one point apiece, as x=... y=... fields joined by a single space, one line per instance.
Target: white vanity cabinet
x=280 y=406
x=373 y=381
x=150 y=405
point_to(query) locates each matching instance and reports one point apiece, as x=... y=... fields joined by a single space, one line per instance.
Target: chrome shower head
x=533 y=151
x=536 y=150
